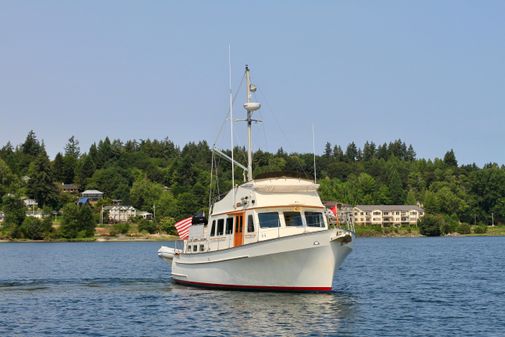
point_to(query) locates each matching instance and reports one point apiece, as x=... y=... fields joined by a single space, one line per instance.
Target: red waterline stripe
x=249 y=287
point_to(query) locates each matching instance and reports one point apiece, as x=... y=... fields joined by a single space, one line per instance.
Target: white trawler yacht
x=266 y=234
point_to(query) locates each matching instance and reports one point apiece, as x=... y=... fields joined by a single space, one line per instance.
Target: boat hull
x=304 y=262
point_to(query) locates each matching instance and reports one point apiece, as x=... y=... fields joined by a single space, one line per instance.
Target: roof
x=92 y=192
x=70 y=186
x=83 y=201
x=140 y=213
x=389 y=208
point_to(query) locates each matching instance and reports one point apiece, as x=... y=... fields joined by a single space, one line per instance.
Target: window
x=314 y=219
x=189 y=248
x=229 y=226
x=269 y=220
x=195 y=248
x=250 y=224
x=202 y=247
x=293 y=219
x=220 y=227
x=213 y=229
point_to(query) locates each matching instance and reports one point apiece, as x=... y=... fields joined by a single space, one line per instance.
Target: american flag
x=182 y=227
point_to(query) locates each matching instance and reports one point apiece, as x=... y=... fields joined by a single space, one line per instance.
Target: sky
x=431 y=73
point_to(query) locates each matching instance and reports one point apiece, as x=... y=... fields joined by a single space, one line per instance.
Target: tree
x=85 y=170
x=450 y=159
x=327 y=150
x=338 y=154
x=77 y=221
x=7 y=179
x=369 y=151
x=15 y=214
x=351 y=153
x=41 y=184
x=411 y=198
x=396 y=191
x=59 y=167
x=145 y=193
x=429 y=225
x=31 y=146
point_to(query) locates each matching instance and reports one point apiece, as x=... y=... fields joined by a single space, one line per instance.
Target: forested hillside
x=144 y=173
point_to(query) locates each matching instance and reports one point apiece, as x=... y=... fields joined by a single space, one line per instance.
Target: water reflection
x=250 y=313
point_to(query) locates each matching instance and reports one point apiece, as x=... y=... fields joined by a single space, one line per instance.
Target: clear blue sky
x=429 y=72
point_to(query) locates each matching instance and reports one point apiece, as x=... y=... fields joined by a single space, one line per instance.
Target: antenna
x=314 y=152
x=231 y=125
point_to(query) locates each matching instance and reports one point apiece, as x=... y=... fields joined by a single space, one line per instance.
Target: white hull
x=304 y=262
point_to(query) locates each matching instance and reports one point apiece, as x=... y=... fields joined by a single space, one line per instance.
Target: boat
x=266 y=234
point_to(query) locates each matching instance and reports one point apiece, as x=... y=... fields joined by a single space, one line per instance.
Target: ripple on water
x=387 y=287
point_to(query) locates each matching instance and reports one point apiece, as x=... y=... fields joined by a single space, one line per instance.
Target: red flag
x=334 y=210
x=182 y=227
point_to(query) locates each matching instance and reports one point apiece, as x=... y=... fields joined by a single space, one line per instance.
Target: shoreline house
x=30 y=203
x=386 y=215
x=91 y=196
x=69 y=188
x=118 y=214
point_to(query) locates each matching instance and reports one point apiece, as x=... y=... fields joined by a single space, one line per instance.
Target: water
x=387 y=287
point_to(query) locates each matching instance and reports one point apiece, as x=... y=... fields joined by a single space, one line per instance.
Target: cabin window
x=314 y=219
x=293 y=219
x=195 y=248
x=229 y=225
x=269 y=220
x=213 y=229
x=202 y=247
x=220 y=227
x=189 y=248
x=250 y=224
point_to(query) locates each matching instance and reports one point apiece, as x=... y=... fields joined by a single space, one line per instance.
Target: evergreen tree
x=31 y=146
x=369 y=151
x=382 y=152
x=351 y=153
x=327 y=150
x=41 y=184
x=59 y=168
x=411 y=154
x=85 y=170
x=396 y=191
x=450 y=158
x=338 y=154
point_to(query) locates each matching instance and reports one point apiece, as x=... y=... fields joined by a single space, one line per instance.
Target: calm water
x=387 y=287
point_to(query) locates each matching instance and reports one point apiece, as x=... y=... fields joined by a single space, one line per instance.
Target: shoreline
x=171 y=238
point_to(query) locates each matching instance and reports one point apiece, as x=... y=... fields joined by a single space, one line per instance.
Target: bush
x=120 y=228
x=147 y=226
x=464 y=229
x=447 y=228
x=35 y=229
x=167 y=225
x=429 y=225
x=481 y=229
x=367 y=231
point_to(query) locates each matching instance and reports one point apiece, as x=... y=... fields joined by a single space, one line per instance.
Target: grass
x=389 y=231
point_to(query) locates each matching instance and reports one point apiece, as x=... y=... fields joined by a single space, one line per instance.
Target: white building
x=92 y=195
x=30 y=203
x=125 y=213
x=122 y=213
x=386 y=215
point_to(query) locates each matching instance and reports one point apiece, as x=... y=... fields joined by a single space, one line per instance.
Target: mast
x=231 y=124
x=250 y=107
